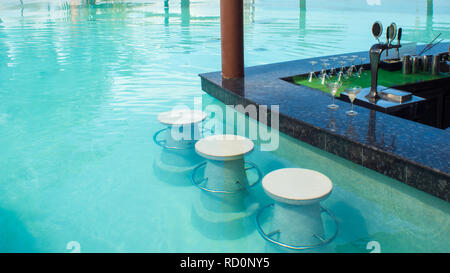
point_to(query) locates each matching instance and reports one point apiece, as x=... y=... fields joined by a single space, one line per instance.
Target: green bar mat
x=385 y=78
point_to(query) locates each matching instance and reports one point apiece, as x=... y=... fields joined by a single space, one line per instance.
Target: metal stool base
x=162 y=142
x=269 y=238
x=198 y=183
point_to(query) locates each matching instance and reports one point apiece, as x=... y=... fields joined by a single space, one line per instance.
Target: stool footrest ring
x=197 y=182
x=323 y=241
x=162 y=142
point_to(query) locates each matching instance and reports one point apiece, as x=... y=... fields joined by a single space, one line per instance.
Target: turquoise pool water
x=81 y=86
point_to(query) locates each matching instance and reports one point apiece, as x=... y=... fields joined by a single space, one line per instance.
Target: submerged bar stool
x=183 y=127
x=297 y=212
x=225 y=170
x=177 y=159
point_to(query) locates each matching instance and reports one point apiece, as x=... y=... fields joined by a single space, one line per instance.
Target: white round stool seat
x=181 y=117
x=183 y=128
x=224 y=147
x=297 y=186
x=225 y=166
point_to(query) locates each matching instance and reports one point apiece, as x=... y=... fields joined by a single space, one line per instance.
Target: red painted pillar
x=232 y=37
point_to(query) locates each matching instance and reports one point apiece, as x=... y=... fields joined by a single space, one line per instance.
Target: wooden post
x=232 y=37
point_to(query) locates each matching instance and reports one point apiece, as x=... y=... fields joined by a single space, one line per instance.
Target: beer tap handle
x=399 y=37
x=387 y=41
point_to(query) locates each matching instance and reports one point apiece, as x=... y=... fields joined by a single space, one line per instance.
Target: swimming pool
x=81 y=86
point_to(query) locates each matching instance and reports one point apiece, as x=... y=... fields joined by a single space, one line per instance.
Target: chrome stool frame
x=198 y=183
x=269 y=238
x=161 y=142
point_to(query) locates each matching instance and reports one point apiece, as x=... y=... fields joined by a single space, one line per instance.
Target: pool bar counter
x=411 y=152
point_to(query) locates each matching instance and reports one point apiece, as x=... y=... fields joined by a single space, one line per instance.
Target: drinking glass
x=312 y=74
x=330 y=74
x=332 y=126
x=342 y=73
x=333 y=67
x=344 y=58
x=334 y=86
x=361 y=68
x=340 y=76
x=352 y=92
x=352 y=68
x=342 y=69
x=324 y=60
x=323 y=73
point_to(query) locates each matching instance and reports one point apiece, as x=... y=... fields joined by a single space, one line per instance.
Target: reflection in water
x=185 y=25
x=429 y=24
x=371 y=129
x=83 y=9
x=166 y=13
x=249 y=11
x=332 y=125
x=351 y=132
x=372 y=137
x=15 y=236
x=354 y=231
x=312 y=36
x=424 y=34
x=302 y=18
x=175 y=167
x=224 y=216
x=185 y=13
x=373 y=2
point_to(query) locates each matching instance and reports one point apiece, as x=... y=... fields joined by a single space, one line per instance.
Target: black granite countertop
x=413 y=153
